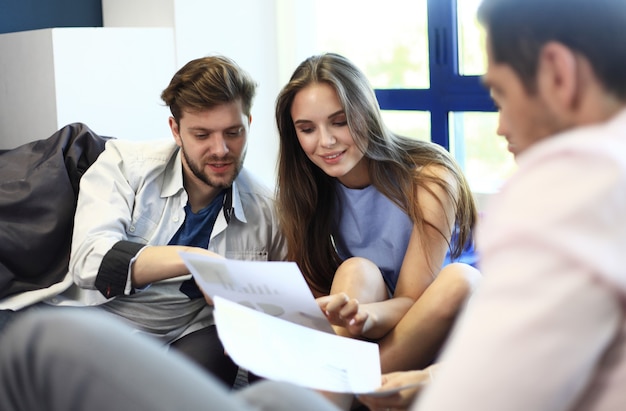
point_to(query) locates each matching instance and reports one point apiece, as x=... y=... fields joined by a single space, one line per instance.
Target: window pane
x=472 y=57
x=481 y=152
x=388 y=41
x=414 y=124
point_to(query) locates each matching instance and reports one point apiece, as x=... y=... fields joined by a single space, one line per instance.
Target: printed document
x=271 y=325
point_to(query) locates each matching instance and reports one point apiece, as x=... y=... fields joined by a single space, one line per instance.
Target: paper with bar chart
x=276 y=288
x=270 y=324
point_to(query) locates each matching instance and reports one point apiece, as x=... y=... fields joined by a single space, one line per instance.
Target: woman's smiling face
x=322 y=129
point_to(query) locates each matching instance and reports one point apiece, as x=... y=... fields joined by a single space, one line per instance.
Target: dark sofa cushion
x=38 y=192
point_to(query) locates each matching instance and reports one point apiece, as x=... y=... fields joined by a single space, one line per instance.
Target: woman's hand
x=397 y=400
x=345 y=312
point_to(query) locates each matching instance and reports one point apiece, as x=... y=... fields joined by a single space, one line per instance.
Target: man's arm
x=120 y=210
x=157 y=263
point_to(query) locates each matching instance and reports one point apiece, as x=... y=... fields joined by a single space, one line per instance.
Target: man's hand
x=401 y=399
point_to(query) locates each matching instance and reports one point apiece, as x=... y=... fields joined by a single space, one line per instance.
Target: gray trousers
x=71 y=359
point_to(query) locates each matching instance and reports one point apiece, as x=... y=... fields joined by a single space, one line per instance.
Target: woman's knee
x=357 y=267
x=360 y=278
x=454 y=284
x=461 y=275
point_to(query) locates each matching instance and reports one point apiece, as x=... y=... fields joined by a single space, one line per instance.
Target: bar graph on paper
x=276 y=288
x=249 y=289
x=218 y=274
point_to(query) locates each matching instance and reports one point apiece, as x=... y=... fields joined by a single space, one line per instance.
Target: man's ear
x=175 y=131
x=558 y=77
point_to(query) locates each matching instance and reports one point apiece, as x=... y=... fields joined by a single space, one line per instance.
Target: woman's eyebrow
x=336 y=113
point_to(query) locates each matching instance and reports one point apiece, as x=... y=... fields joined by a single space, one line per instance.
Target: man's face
x=213 y=143
x=525 y=117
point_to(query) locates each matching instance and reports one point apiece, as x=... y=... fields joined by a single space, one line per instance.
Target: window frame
x=449 y=91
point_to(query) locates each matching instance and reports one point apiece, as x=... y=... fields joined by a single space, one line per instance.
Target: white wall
x=110 y=78
x=138 y=13
x=107 y=78
x=244 y=30
x=296 y=35
x=27 y=89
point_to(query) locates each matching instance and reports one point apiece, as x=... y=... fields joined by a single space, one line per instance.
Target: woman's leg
x=418 y=338
x=361 y=279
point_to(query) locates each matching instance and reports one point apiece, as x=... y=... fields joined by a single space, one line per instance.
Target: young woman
x=370 y=215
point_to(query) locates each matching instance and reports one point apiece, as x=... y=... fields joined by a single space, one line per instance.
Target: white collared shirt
x=134 y=192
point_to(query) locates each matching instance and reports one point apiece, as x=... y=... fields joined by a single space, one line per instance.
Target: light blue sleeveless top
x=369 y=225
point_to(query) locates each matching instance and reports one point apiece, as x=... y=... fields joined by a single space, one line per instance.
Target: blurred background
x=105 y=63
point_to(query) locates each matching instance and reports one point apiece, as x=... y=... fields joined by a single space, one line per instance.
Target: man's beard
x=198 y=171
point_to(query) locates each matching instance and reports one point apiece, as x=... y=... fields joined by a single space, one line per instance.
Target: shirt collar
x=232 y=200
x=173 y=175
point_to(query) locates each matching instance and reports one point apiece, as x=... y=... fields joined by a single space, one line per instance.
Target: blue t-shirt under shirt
x=196 y=231
x=197 y=227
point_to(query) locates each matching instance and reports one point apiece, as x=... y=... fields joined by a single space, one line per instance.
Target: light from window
x=413 y=124
x=481 y=152
x=472 y=58
x=388 y=41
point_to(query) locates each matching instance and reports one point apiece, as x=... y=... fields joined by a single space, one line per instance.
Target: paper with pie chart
x=283 y=351
x=276 y=288
x=271 y=325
